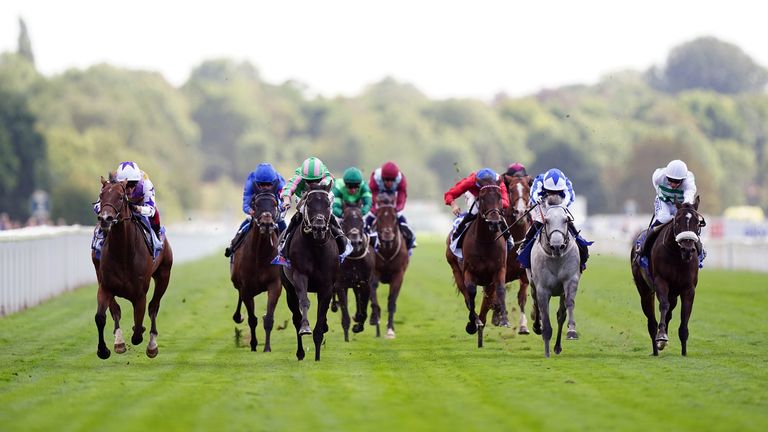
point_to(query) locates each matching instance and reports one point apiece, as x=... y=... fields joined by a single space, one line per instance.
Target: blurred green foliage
x=608 y=137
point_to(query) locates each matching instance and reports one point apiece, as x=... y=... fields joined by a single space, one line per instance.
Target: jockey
x=552 y=182
x=351 y=190
x=311 y=171
x=141 y=197
x=390 y=180
x=516 y=170
x=262 y=179
x=673 y=184
x=471 y=184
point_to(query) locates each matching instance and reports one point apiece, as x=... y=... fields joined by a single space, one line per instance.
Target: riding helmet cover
x=554 y=180
x=486 y=174
x=265 y=173
x=677 y=170
x=389 y=171
x=312 y=169
x=128 y=171
x=353 y=175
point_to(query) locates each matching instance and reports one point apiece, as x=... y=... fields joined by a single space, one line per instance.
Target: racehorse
x=125 y=268
x=314 y=266
x=252 y=272
x=391 y=261
x=485 y=258
x=518 y=190
x=555 y=271
x=672 y=272
x=356 y=270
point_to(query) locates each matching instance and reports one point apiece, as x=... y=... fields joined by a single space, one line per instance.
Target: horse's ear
x=103 y=182
x=696 y=202
x=530 y=181
x=506 y=179
x=112 y=176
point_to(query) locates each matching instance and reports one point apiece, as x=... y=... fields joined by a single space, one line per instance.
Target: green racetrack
x=431 y=377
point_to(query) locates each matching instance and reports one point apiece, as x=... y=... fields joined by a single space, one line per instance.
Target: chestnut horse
x=125 y=268
x=391 y=261
x=314 y=266
x=672 y=272
x=485 y=258
x=518 y=222
x=356 y=270
x=252 y=271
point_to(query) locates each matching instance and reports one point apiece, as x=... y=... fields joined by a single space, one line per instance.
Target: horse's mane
x=554 y=200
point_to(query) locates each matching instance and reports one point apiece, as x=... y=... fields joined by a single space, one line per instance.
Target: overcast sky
x=445 y=48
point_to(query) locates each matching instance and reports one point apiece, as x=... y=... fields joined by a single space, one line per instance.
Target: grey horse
x=555 y=271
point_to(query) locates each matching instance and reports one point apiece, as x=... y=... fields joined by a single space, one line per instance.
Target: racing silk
x=341 y=196
x=249 y=190
x=469 y=184
x=399 y=189
x=537 y=191
x=143 y=197
x=296 y=185
x=685 y=193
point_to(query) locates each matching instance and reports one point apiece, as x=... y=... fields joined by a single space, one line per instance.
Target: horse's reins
x=548 y=234
x=365 y=249
x=509 y=226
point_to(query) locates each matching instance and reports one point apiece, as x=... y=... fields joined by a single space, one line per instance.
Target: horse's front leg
x=362 y=293
x=662 y=294
x=114 y=310
x=321 y=325
x=342 y=301
x=139 y=306
x=102 y=303
x=535 y=309
x=686 y=308
x=394 y=292
x=522 y=298
x=569 y=292
x=500 y=298
x=273 y=294
x=300 y=282
x=375 y=308
x=560 y=321
x=253 y=321
x=542 y=300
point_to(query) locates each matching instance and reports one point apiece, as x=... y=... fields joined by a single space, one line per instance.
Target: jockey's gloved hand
x=286 y=203
x=455 y=208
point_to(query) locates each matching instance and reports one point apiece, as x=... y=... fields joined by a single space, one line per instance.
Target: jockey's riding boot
x=650 y=236
x=701 y=252
x=529 y=235
x=469 y=217
x=235 y=243
x=410 y=237
x=583 y=256
x=338 y=235
x=510 y=241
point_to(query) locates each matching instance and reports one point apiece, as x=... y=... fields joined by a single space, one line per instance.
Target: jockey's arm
x=689 y=189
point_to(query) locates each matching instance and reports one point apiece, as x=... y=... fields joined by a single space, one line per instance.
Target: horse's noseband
x=318 y=222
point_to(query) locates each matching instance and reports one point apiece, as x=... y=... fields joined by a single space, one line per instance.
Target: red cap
x=389 y=171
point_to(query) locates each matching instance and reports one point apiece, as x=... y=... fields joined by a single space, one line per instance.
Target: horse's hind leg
x=237 y=317
x=293 y=305
x=162 y=276
x=102 y=301
x=114 y=309
x=342 y=301
x=394 y=292
x=662 y=293
x=485 y=306
x=362 y=292
x=139 y=306
x=252 y=320
x=686 y=308
x=561 y=313
x=500 y=301
x=546 y=330
x=647 y=298
x=522 y=298
x=273 y=294
x=570 y=304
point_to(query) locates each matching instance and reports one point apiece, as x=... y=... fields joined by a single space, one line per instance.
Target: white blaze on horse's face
x=520 y=204
x=556 y=229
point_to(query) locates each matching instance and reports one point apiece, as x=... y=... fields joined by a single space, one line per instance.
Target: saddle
x=151 y=240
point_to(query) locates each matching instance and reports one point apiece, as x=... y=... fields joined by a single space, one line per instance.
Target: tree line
x=707 y=105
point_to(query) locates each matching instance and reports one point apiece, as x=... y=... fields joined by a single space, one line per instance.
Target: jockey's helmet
x=312 y=169
x=353 y=177
x=486 y=174
x=516 y=169
x=265 y=173
x=554 y=180
x=128 y=171
x=389 y=171
x=676 y=170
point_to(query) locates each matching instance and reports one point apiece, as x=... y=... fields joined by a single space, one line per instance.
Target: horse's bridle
x=548 y=234
x=118 y=211
x=498 y=211
x=398 y=237
x=306 y=224
x=264 y=227
x=688 y=234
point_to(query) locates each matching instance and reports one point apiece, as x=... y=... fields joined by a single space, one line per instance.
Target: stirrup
x=227 y=252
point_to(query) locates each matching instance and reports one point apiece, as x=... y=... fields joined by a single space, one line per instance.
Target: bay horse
x=672 y=272
x=314 y=266
x=391 y=261
x=356 y=270
x=485 y=258
x=518 y=222
x=125 y=268
x=252 y=272
x=555 y=271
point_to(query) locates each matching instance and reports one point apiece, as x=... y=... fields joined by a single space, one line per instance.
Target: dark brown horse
x=356 y=270
x=252 y=271
x=391 y=261
x=125 y=268
x=672 y=272
x=519 y=191
x=485 y=258
x=314 y=259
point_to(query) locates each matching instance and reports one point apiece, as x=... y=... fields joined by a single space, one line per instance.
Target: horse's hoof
x=267 y=349
x=334 y=307
x=523 y=330
x=571 y=335
x=137 y=339
x=558 y=350
x=300 y=355
x=537 y=329
x=471 y=328
x=661 y=344
x=305 y=330
x=253 y=347
x=504 y=323
x=103 y=354
x=119 y=348
x=496 y=319
x=357 y=328
x=390 y=334
x=152 y=352
x=237 y=318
